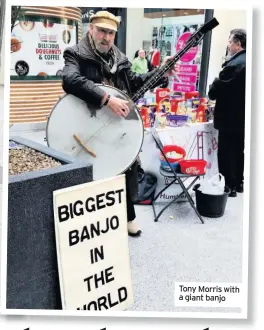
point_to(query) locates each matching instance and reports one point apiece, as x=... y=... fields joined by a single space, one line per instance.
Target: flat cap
x=106 y=20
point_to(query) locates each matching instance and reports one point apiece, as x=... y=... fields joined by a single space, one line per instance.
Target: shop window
x=168 y=29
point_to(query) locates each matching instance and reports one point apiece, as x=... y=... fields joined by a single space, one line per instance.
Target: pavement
x=179 y=250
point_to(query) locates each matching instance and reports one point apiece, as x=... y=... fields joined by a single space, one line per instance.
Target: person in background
x=140 y=63
x=148 y=58
x=229 y=115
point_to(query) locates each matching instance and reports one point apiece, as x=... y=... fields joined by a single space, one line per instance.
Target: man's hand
x=118 y=106
x=172 y=71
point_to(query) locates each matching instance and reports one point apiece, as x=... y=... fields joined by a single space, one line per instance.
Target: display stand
x=199 y=141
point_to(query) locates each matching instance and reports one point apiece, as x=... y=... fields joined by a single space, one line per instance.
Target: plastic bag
x=213 y=186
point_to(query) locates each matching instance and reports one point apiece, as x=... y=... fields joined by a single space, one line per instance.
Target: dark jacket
x=83 y=70
x=229 y=92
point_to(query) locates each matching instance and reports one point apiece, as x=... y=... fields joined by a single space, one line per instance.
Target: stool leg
x=164 y=189
x=154 y=211
x=190 y=200
x=174 y=200
x=156 y=197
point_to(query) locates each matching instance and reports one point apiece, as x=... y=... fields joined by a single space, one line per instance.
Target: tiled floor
x=181 y=249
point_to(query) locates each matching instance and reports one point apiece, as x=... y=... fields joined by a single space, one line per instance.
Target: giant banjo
x=110 y=143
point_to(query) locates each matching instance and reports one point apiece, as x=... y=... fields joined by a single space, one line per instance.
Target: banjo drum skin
x=115 y=141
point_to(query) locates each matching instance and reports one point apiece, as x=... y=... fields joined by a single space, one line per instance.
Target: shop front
x=39 y=37
x=168 y=32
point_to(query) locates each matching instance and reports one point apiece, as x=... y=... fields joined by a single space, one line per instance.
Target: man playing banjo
x=97 y=60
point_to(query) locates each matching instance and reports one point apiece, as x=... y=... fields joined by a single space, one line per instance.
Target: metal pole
x=209 y=13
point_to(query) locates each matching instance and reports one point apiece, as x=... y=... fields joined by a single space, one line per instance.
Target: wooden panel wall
x=32 y=101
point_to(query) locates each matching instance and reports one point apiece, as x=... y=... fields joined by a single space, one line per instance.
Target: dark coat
x=83 y=69
x=229 y=92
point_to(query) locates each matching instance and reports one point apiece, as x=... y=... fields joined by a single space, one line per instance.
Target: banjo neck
x=192 y=42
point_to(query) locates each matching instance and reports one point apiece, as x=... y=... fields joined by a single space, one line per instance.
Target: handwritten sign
x=178 y=87
x=186 y=68
x=187 y=78
x=92 y=246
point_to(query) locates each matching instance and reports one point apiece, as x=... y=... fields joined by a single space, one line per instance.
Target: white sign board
x=37 y=48
x=92 y=246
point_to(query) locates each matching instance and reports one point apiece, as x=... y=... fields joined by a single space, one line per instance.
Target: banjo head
x=115 y=141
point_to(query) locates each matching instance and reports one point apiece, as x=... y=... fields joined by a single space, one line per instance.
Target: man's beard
x=102 y=49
